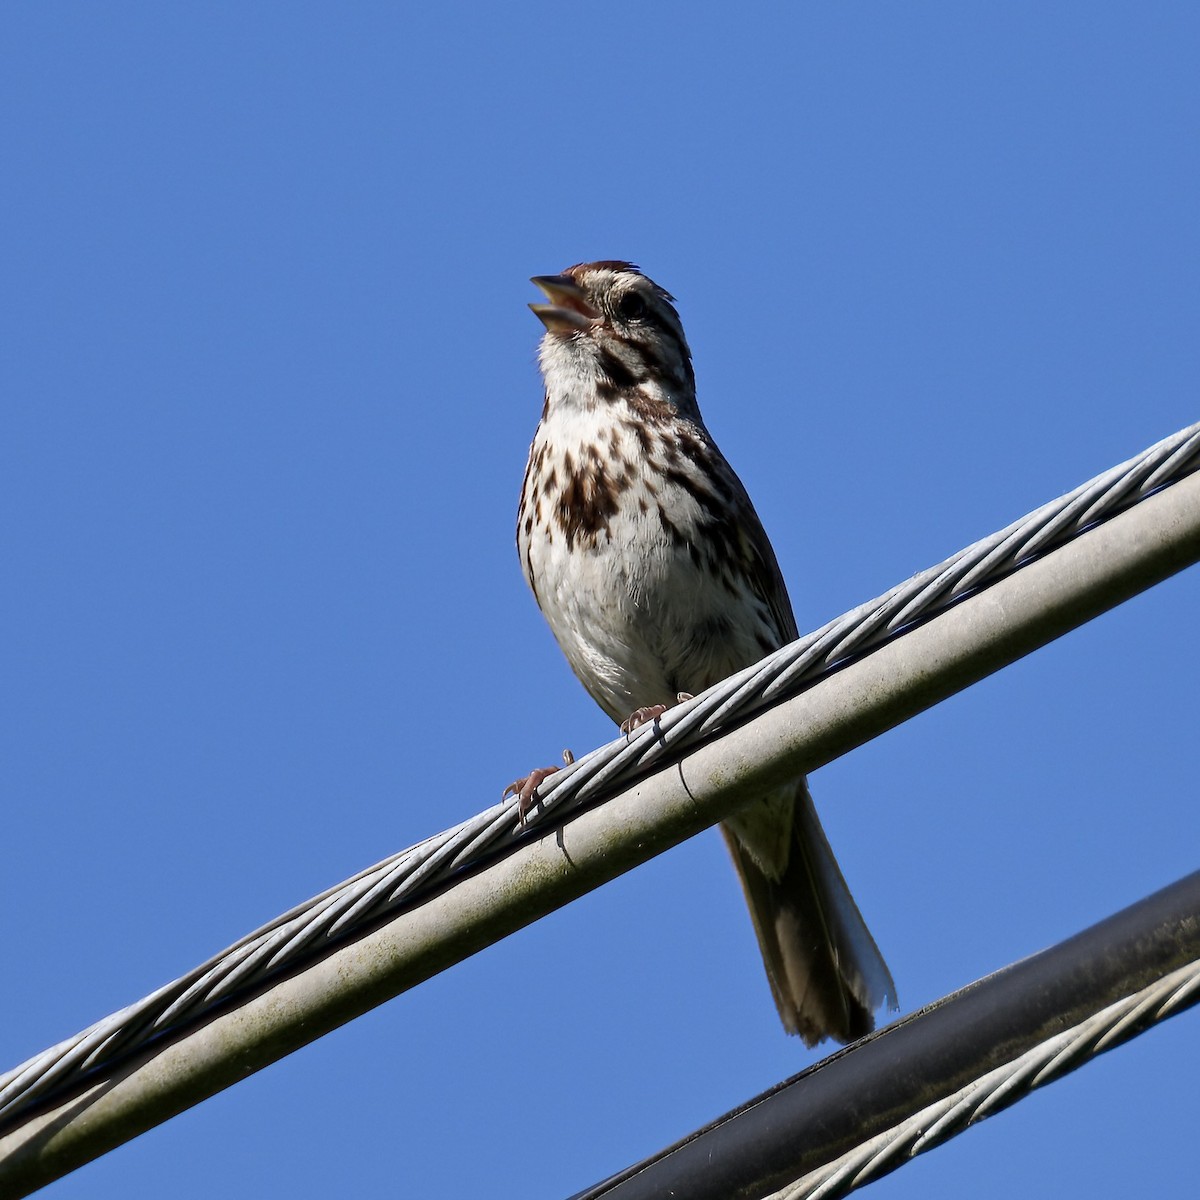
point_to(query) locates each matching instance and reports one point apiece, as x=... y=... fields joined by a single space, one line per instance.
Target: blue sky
x=269 y=382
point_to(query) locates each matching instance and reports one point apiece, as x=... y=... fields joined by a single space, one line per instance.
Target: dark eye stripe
x=664 y=326
x=618 y=373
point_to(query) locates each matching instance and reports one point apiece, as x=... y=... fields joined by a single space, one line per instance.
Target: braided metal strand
x=1005 y=1085
x=329 y=919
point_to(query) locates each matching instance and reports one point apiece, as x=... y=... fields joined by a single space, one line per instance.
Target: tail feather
x=826 y=973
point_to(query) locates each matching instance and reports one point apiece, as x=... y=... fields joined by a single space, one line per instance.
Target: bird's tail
x=826 y=973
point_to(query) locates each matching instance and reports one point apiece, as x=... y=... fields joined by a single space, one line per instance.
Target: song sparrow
x=649 y=562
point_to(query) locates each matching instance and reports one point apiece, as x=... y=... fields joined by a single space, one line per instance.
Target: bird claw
x=640 y=716
x=651 y=712
x=524 y=789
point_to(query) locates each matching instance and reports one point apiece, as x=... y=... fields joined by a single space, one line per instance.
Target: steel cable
x=337 y=915
x=999 y=1088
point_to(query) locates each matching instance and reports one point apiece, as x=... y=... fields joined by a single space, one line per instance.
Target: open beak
x=569 y=310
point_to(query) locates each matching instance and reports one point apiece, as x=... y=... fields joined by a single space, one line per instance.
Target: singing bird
x=652 y=568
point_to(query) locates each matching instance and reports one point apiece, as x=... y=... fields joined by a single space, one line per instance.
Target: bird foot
x=524 y=789
x=651 y=712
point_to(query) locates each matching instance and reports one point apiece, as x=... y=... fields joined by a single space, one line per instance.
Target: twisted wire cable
x=334 y=917
x=996 y=1090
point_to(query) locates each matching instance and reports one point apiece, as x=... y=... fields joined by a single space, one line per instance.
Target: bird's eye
x=631 y=306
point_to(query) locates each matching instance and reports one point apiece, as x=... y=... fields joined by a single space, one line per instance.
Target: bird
x=652 y=568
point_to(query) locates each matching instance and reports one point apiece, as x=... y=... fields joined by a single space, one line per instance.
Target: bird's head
x=610 y=329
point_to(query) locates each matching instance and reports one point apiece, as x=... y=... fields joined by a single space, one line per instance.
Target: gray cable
x=983 y=1097
x=330 y=919
x=870 y=1108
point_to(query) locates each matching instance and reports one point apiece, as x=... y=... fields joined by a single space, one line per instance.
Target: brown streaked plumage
x=646 y=556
